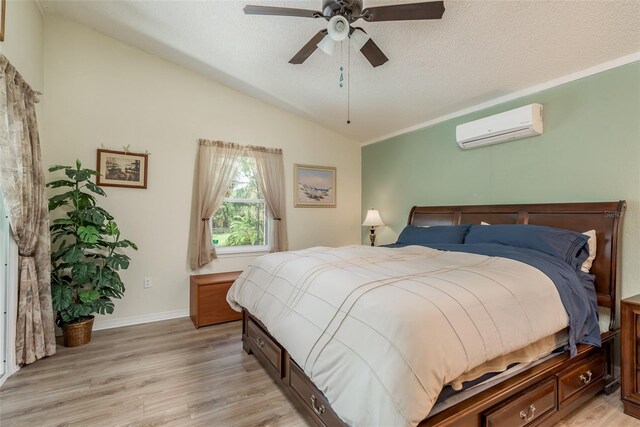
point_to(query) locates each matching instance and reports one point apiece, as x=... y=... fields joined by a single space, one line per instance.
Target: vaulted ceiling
x=480 y=50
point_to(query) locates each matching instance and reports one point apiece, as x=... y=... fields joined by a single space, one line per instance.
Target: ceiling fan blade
x=404 y=12
x=374 y=55
x=280 y=11
x=308 y=48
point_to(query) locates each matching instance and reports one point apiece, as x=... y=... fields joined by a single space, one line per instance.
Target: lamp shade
x=327 y=45
x=373 y=219
x=358 y=39
x=338 y=28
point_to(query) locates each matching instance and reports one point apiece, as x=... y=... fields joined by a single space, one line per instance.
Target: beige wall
x=102 y=92
x=23 y=40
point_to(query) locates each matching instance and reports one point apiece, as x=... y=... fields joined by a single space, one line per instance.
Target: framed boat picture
x=122 y=169
x=314 y=186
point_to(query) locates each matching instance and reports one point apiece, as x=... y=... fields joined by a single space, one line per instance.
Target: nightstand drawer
x=630 y=355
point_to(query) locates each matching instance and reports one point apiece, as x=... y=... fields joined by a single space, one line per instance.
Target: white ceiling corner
x=479 y=51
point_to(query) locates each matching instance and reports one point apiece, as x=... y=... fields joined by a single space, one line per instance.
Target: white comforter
x=380 y=330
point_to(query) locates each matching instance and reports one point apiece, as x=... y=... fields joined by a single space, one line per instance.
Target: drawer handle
x=260 y=342
x=586 y=379
x=528 y=416
x=318 y=409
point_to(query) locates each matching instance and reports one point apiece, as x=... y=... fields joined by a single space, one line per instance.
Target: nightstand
x=630 y=355
x=208 y=299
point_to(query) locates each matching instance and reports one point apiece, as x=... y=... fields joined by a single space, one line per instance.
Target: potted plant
x=87 y=254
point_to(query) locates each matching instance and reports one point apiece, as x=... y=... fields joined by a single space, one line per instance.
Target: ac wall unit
x=520 y=123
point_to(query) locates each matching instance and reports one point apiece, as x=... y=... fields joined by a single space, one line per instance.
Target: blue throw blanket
x=576 y=288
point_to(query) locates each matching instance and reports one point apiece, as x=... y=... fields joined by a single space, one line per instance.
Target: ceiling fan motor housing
x=334 y=7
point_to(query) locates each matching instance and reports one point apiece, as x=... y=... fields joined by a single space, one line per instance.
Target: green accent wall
x=590 y=151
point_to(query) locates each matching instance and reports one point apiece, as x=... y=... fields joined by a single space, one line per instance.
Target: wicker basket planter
x=77 y=334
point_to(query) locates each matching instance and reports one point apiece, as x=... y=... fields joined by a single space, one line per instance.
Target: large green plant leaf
x=118 y=261
x=88 y=295
x=85 y=200
x=73 y=254
x=83 y=273
x=103 y=306
x=60 y=200
x=59 y=233
x=88 y=234
x=109 y=282
x=125 y=244
x=57 y=254
x=91 y=215
x=112 y=229
x=55 y=168
x=63 y=221
x=78 y=311
x=61 y=183
x=106 y=214
x=94 y=188
x=78 y=175
x=61 y=296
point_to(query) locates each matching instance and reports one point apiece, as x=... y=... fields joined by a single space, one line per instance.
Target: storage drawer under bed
x=261 y=343
x=527 y=408
x=578 y=378
x=307 y=394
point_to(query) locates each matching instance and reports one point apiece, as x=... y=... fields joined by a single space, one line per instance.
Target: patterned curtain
x=23 y=186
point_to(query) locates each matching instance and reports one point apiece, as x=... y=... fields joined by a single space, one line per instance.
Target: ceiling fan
x=341 y=14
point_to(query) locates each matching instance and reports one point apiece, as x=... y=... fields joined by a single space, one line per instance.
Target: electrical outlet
x=147 y=282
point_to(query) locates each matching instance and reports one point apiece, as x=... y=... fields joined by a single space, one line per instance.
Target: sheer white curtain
x=270 y=177
x=217 y=164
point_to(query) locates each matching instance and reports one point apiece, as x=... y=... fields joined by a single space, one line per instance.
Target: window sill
x=240 y=252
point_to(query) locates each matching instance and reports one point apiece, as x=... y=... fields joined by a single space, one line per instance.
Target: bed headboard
x=604 y=217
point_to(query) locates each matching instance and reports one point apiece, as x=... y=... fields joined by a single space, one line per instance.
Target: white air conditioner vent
x=520 y=123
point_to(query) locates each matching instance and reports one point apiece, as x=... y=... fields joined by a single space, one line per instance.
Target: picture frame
x=122 y=169
x=3 y=12
x=314 y=186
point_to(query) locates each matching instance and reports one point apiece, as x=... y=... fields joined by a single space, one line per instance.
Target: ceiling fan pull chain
x=340 y=82
x=348 y=82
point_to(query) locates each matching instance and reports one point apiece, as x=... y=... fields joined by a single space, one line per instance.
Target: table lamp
x=372 y=220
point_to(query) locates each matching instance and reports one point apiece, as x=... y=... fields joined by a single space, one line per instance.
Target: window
x=240 y=225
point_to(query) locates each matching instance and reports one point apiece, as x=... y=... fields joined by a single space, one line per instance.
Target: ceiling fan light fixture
x=358 y=39
x=327 y=45
x=338 y=28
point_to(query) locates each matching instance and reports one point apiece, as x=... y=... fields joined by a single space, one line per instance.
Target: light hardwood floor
x=170 y=374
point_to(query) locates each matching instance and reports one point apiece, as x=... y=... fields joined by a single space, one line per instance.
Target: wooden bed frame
x=539 y=395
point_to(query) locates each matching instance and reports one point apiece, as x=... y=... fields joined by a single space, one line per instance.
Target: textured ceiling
x=480 y=50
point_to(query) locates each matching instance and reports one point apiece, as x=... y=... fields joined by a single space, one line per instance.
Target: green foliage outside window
x=241 y=219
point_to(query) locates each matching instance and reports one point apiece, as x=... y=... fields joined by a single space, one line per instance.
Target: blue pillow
x=570 y=246
x=453 y=234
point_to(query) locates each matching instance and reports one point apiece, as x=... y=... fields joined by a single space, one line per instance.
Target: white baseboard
x=106 y=323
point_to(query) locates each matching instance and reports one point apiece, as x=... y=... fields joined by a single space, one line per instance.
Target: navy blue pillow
x=569 y=246
x=452 y=234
